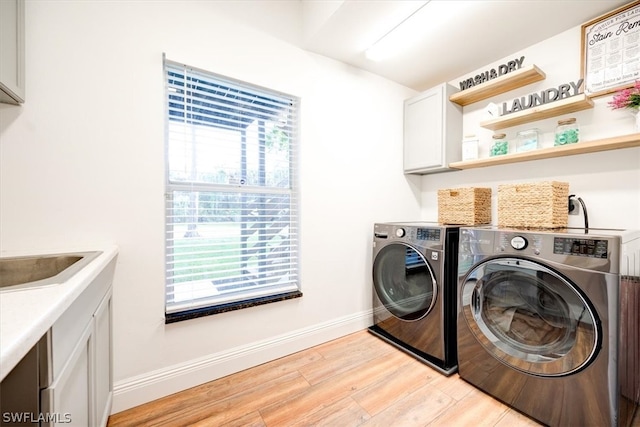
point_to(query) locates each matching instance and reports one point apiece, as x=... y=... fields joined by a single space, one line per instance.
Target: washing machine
x=414 y=290
x=548 y=322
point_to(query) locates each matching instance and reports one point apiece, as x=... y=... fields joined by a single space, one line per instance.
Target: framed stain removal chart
x=610 y=58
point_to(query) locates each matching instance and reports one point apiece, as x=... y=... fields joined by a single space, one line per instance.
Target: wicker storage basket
x=464 y=206
x=533 y=205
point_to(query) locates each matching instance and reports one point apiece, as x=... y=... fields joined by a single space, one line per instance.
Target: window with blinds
x=231 y=194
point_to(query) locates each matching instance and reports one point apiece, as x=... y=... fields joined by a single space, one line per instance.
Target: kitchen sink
x=28 y=272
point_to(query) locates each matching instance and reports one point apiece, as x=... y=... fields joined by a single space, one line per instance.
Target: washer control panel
x=513 y=242
x=596 y=249
x=592 y=248
x=535 y=244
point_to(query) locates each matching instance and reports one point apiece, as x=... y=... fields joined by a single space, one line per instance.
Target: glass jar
x=500 y=145
x=527 y=140
x=567 y=132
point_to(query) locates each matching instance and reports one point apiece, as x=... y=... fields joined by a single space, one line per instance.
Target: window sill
x=223 y=308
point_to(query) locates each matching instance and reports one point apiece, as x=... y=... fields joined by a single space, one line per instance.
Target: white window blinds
x=231 y=198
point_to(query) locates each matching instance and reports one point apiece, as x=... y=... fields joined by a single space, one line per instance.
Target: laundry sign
x=493 y=73
x=543 y=97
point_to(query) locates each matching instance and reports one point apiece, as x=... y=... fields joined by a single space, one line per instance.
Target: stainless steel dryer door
x=529 y=317
x=404 y=281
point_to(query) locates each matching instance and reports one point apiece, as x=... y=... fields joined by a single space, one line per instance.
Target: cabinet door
x=423 y=131
x=432 y=131
x=103 y=361
x=12 y=51
x=68 y=401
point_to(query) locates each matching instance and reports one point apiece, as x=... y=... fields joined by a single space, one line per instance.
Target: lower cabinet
x=66 y=379
x=81 y=382
x=103 y=361
x=68 y=400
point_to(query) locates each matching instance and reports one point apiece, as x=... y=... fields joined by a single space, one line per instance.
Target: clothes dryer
x=414 y=290
x=547 y=322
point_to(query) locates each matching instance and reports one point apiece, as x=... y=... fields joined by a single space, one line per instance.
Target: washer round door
x=530 y=317
x=404 y=281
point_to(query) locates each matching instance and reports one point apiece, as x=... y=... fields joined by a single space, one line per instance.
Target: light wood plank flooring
x=357 y=380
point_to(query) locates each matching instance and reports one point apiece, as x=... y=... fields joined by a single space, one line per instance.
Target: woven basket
x=464 y=206
x=533 y=205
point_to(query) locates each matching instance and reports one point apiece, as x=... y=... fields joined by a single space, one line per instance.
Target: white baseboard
x=162 y=382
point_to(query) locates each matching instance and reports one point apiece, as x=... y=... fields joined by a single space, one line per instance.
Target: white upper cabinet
x=432 y=131
x=12 y=51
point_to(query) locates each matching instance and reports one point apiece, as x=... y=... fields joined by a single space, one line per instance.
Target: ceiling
x=451 y=37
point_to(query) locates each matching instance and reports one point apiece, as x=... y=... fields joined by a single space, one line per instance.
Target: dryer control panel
x=420 y=234
x=432 y=234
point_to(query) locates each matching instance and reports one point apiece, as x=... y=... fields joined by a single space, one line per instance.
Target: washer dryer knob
x=519 y=243
x=400 y=232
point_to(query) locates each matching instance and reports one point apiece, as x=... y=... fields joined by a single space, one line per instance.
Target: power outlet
x=574 y=207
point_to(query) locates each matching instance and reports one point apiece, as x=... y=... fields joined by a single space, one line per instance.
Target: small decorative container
x=464 y=206
x=567 y=132
x=469 y=147
x=500 y=145
x=533 y=205
x=527 y=140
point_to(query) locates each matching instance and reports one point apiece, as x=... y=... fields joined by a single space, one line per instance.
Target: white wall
x=608 y=182
x=81 y=163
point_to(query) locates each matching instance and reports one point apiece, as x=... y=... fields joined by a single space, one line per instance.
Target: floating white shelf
x=615 y=143
x=505 y=83
x=565 y=106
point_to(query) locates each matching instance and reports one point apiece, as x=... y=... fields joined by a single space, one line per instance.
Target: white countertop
x=26 y=315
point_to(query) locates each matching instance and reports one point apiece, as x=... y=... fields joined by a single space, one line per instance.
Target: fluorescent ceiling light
x=401 y=36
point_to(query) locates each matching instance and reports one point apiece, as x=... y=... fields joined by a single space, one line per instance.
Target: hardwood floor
x=357 y=380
